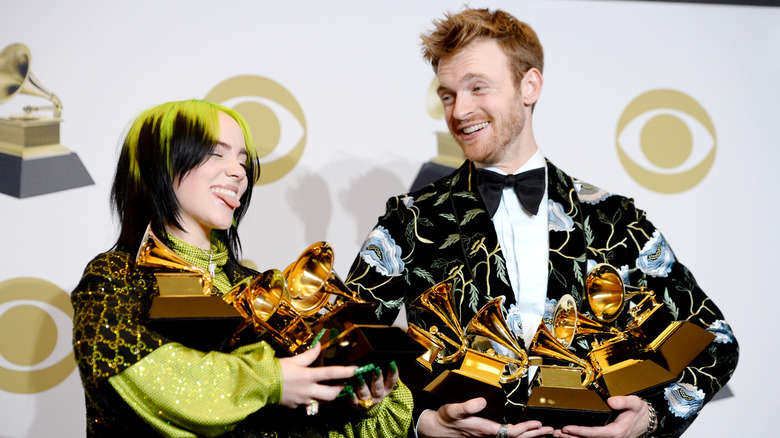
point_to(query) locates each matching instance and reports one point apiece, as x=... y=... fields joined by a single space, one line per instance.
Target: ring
x=313 y=407
x=366 y=404
x=503 y=431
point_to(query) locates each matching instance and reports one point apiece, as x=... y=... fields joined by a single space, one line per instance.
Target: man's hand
x=630 y=423
x=458 y=420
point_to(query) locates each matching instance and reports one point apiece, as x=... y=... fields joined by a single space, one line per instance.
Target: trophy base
x=558 y=407
x=455 y=386
x=203 y=322
x=364 y=344
x=679 y=344
x=22 y=178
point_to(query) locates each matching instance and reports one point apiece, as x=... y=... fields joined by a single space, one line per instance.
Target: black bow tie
x=529 y=187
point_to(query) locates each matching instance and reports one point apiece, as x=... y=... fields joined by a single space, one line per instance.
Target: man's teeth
x=224 y=191
x=474 y=128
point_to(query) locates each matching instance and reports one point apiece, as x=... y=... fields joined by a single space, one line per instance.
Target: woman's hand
x=301 y=383
x=630 y=423
x=371 y=388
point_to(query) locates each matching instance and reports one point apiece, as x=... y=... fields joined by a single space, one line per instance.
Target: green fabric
x=391 y=418
x=177 y=389
x=199 y=257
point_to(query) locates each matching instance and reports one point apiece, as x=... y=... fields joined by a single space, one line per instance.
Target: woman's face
x=209 y=193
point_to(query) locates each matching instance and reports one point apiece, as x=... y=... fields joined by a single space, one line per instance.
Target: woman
x=188 y=168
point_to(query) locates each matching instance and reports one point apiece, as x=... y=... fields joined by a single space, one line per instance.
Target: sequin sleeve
x=110 y=305
x=391 y=418
x=184 y=392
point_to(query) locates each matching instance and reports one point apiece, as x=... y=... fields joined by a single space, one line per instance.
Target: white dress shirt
x=525 y=243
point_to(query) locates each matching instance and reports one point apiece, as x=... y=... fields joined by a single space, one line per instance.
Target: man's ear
x=531 y=86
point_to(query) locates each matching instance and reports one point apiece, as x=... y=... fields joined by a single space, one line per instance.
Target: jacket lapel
x=484 y=260
x=568 y=262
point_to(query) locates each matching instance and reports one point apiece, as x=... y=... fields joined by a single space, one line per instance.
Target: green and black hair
x=162 y=145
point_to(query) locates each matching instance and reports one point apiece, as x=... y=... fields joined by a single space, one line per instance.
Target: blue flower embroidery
x=408 y=201
x=559 y=220
x=656 y=258
x=381 y=252
x=722 y=331
x=514 y=321
x=684 y=399
x=591 y=194
x=624 y=274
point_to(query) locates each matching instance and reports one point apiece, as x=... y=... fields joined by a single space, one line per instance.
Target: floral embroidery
x=656 y=257
x=722 y=331
x=684 y=399
x=408 y=201
x=559 y=220
x=591 y=194
x=381 y=252
x=514 y=321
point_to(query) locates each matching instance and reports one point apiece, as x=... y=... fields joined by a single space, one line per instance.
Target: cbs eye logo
x=36 y=322
x=666 y=141
x=274 y=117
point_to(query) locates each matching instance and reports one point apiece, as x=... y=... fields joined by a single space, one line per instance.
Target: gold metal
x=154 y=254
x=431 y=343
x=16 y=77
x=568 y=323
x=607 y=294
x=489 y=322
x=545 y=344
x=366 y=404
x=265 y=302
x=311 y=281
x=437 y=300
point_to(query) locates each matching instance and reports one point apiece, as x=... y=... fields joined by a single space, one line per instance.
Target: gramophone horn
x=311 y=280
x=15 y=77
x=545 y=344
x=154 y=254
x=437 y=300
x=568 y=322
x=490 y=323
x=607 y=294
x=266 y=303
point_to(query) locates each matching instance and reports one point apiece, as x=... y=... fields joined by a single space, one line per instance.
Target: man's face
x=483 y=108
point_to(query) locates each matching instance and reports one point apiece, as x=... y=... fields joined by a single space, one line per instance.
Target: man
x=489 y=67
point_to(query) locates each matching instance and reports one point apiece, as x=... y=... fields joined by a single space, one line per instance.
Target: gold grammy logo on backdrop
x=666 y=141
x=32 y=160
x=35 y=335
x=274 y=116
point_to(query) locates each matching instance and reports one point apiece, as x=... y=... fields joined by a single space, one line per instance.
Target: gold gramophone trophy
x=264 y=302
x=185 y=310
x=31 y=156
x=309 y=298
x=652 y=350
x=482 y=369
x=561 y=393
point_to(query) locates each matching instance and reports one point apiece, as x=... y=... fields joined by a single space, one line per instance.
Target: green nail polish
x=346 y=391
x=318 y=337
x=377 y=372
x=393 y=367
x=360 y=380
x=365 y=369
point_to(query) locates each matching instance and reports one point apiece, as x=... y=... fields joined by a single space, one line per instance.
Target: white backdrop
x=355 y=69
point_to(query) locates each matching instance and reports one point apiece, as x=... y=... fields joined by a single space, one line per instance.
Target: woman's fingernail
x=364 y=369
x=360 y=380
x=393 y=367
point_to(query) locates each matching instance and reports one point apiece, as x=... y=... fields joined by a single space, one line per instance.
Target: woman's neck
x=201 y=238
